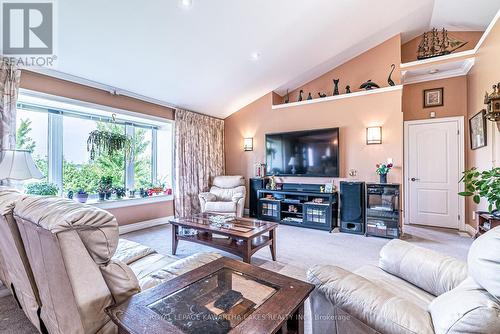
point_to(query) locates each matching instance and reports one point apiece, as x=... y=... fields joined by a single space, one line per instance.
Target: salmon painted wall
x=410 y=48
x=484 y=74
x=49 y=85
x=351 y=115
x=374 y=64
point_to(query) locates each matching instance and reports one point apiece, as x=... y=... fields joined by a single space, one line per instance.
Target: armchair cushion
x=237 y=197
x=466 y=309
x=431 y=271
x=221 y=207
x=375 y=306
x=208 y=197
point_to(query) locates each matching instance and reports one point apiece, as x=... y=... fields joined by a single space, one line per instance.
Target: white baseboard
x=246 y=212
x=470 y=230
x=142 y=225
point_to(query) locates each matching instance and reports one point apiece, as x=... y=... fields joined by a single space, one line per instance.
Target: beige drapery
x=9 y=87
x=199 y=156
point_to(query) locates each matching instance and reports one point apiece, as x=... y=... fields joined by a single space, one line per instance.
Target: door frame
x=461 y=165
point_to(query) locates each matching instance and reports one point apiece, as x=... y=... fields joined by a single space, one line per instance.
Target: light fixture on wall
x=374 y=135
x=248 y=144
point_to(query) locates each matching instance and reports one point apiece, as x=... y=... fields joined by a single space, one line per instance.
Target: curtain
x=9 y=87
x=199 y=156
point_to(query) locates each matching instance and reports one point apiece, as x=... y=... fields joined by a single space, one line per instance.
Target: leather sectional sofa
x=65 y=263
x=413 y=290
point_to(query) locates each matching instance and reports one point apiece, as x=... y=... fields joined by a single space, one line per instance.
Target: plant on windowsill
x=41 y=188
x=120 y=192
x=485 y=184
x=82 y=196
x=105 y=188
x=107 y=142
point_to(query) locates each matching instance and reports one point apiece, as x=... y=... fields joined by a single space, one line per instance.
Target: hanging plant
x=106 y=142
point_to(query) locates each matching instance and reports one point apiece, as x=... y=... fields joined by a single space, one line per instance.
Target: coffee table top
x=200 y=301
x=237 y=227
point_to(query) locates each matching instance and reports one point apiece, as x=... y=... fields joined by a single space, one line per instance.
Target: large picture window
x=56 y=133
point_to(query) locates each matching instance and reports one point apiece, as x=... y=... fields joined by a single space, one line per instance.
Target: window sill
x=124 y=202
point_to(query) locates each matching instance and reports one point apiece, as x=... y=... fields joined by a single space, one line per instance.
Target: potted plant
x=120 y=192
x=82 y=196
x=41 y=188
x=383 y=169
x=107 y=142
x=485 y=184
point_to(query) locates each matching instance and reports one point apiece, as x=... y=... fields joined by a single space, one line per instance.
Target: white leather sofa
x=413 y=290
x=226 y=196
x=79 y=265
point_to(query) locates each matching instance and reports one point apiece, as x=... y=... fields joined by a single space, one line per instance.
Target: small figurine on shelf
x=321 y=95
x=300 y=96
x=389 y=80
x=347 y=89
x=272 y=183
x=309 y=97
x=287 y=97
x=336 y=86
x=369 y=85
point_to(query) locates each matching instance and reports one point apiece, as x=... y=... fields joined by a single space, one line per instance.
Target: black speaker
x=255 y=184
x=352 y=207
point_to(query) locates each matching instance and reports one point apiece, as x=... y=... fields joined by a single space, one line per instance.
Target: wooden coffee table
x=266 y=302
x=242 y=236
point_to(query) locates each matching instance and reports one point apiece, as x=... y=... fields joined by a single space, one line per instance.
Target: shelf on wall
x=338 y=97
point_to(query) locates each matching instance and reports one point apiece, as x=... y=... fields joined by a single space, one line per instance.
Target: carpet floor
x=297 y=250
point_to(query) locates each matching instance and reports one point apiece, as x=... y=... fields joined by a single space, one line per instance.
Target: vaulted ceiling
x=217 y=56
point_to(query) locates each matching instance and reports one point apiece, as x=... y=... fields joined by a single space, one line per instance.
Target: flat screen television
x=303 y=153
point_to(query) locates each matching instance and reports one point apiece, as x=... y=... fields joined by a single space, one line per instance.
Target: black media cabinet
x=297 y=205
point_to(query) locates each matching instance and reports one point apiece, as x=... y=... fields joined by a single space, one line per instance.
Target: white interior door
x=433 y=171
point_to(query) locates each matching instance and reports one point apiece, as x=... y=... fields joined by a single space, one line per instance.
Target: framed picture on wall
x=433 y=97
x=477 y=127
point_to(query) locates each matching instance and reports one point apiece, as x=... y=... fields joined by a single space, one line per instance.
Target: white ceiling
x=200 y=59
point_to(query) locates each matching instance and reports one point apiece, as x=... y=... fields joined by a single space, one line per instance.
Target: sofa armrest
x=207 y=197
x=378 y=308
x=431 y=271
x=120 y=279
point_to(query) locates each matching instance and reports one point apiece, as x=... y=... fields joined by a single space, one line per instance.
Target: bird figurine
x=369 y=85
x=336 y=86
x=389 y=80
x=321 y=95
x=309 y=97
x=287 y=97
x=347 y=89
x=300 y=95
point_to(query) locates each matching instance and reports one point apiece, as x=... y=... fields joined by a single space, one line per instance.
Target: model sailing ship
x=437 y=43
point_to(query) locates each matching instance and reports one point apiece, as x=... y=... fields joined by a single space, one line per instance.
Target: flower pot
x=82 y=198
x=383 y=178
x=108 y=195
x=102 y=196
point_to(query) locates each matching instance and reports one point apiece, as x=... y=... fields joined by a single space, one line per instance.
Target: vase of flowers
x=383 y=169
x=81 y=196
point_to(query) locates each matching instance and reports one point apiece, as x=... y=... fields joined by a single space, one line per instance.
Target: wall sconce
x=374 y=135
x=248 y=144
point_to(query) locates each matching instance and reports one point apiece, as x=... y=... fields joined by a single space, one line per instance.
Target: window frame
x=55 y=131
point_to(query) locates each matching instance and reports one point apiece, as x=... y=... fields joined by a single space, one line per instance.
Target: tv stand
x=301 y=205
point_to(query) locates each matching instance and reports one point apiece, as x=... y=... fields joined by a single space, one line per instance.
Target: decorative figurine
x=435 y=43
x=389 y=80
x=347 y=89
x=287 y=97
x=300 y=95
x=309 y=97
x=321 y=95
x=369 y=85
x=336 y=86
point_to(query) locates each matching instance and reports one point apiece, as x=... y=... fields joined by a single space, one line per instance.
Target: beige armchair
x=226 y=196
x=413 y=290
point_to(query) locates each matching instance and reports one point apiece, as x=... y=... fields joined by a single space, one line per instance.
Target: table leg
x=247 y=250
x=175 y=232
x=272 y=246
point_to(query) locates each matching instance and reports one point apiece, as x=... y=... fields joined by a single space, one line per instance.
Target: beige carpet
x=297 y=249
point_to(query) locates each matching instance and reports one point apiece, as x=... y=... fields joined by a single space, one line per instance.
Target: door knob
x=414 y=179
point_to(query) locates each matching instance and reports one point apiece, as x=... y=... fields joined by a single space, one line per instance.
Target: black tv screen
x=303 y=153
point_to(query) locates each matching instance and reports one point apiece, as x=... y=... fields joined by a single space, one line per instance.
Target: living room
x=266 y=167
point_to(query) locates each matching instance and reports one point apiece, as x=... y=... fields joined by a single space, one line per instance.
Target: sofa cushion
x=431 y=271
x=220 y=207
x=390 y=282
x=381 y=309
x=227 y=194
x=97 y=228
x=484 y=261
x=128 y=251
x=466 y=309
